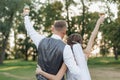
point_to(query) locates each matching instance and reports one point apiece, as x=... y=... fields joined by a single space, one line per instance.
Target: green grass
x=103 y=61
x=17 y=70
x=101 y=68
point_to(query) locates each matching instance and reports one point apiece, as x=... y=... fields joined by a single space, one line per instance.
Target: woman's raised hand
x=102 y=18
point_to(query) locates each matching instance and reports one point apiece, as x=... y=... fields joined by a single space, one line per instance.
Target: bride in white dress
x=75 y=42
x=80 y=55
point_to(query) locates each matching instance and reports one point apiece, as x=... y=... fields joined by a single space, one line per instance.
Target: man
x=52 y=51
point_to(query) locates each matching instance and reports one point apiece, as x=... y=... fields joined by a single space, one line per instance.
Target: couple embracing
x=57 y=58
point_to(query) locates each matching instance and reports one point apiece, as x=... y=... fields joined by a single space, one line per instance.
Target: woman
x=75 y=42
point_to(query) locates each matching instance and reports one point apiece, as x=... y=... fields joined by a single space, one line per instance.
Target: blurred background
x=18 y=54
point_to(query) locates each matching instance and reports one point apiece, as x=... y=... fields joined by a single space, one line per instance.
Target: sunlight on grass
x=104 y=61
x=11 y=68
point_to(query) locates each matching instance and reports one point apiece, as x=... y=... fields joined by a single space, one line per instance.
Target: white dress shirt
x=67 y=53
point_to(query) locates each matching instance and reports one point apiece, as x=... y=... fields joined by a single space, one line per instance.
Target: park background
x=18 y=55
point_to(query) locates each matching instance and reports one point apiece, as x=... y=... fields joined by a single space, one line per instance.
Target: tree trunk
x=1 y=58
x=34 y=57
x=1 y=55
x=26 y=48
x=4 y=44
x=83 y=18
x=5 y=39
x=115 y=53
x=15 y=47
x=68 y=21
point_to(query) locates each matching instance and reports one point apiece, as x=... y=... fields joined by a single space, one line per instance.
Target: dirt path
x=106 y=73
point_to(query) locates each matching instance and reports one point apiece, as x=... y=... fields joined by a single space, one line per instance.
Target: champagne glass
x=101 y=14
x=102 y=17
x=26 y=10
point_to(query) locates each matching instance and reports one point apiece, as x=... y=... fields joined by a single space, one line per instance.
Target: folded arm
x=69 y=62
x=58 y=76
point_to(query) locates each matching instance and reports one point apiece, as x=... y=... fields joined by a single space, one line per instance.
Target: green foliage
x=51 y=13
x=111 y=34
x=9 y=10
x=45 y=14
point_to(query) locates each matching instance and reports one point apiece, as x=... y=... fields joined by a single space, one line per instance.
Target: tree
x=56 y=9
x=8 y=11
x=68 y=3
x=41 y=17
x=111 y=34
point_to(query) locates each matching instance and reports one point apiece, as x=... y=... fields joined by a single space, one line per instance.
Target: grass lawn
x=100 y=69
x=17 y=70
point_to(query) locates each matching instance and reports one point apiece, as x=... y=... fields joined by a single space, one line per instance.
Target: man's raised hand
x=26 y=10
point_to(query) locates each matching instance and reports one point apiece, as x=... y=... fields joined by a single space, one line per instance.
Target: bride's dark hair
x=74 y=38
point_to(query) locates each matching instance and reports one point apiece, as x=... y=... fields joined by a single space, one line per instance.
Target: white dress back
x=81 y=62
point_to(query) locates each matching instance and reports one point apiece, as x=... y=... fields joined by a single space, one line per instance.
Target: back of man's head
x=60 y=25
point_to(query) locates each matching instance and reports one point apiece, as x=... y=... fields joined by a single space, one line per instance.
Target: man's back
x=50 y=55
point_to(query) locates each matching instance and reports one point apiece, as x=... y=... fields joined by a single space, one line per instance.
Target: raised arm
x=87 y=50
x=35 y=36
x=58 y=76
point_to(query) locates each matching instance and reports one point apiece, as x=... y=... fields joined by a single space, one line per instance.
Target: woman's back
x=81 y=62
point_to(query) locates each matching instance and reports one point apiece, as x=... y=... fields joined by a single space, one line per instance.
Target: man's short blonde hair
x=60 y=24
